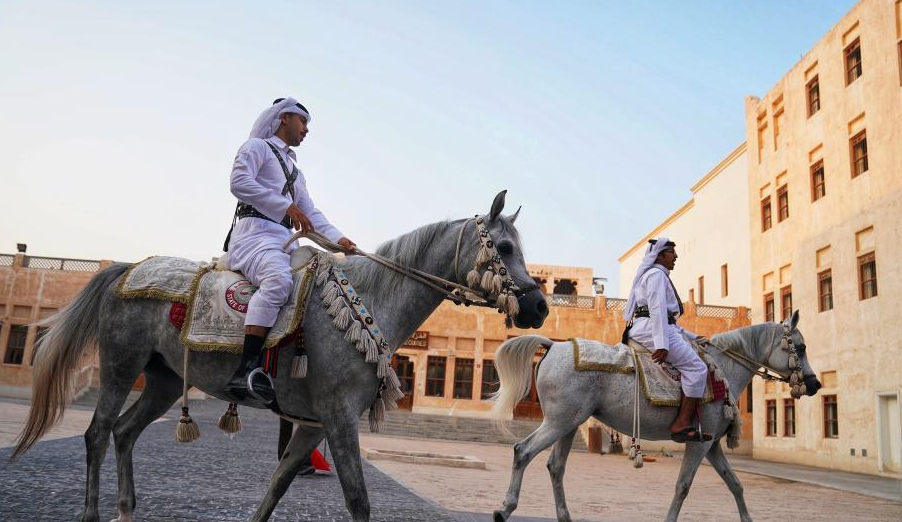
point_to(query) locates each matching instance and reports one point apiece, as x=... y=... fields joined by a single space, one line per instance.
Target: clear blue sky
x=119 y=121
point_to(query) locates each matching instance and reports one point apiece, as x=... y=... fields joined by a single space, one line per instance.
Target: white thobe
x=256 y=247
x=656 y=292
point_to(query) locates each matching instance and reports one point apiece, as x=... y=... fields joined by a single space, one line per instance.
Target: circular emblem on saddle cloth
x=239 y=294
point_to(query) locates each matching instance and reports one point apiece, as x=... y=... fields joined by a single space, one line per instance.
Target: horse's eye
x=505 y=248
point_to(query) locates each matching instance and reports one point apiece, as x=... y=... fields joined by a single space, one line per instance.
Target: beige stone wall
x=721 y=198
x=857 y=339
x=28 y=295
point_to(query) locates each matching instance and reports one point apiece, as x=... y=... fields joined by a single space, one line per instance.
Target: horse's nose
x=533 y=310
x=542 y=307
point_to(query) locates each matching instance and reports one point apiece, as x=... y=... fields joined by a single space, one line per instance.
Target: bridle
x=765 y=369
x=498 y=290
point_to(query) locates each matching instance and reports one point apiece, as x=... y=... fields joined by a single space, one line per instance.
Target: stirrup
x=250 y=385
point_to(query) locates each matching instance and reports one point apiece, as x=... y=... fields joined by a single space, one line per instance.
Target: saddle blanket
x=660 y=382
x=216 y=300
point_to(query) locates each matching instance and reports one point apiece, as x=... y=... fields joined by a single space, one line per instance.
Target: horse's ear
x=794 y=320
x=497 y=205
x=513 y=218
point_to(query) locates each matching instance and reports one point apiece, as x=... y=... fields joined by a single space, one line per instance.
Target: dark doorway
x=529 y=407
x=404 y=368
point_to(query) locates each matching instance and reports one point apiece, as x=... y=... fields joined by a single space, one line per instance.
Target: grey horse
x=570 y=397
x=134 y=335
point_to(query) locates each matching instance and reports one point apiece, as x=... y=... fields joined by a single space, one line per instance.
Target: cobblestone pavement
x=213 y=479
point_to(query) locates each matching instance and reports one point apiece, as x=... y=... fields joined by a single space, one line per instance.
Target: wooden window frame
x=857 y=162
x=724 y=280
x=770 y=424
x=789 y=417
x=823 y=297
x=863 y=260
x=436 y=361
x=817 y=171
x=769 y=298
x=782 y=196
x=778 y=118
x=814 y=100
x=460 y=382
x=767 y=218
x=831 y=421
x=15 y=354
x=488 y=387
x=851 y=74
x=785 y=312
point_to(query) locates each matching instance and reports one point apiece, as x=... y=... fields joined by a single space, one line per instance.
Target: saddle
x=660 y=382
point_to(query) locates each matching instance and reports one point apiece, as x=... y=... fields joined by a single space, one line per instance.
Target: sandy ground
x=14 y=413
x=607 y=488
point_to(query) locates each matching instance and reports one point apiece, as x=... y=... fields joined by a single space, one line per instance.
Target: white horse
x=570 y=397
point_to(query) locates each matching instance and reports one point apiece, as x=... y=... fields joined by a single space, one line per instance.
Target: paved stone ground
x=201 y=481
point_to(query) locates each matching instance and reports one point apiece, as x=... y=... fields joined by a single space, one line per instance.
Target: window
x=42 y=331
x=814 y=96
x=15 y=349
x=818 y=187
x=778 y=124
x=785 y=302
x=701 y=290
x=825 y=290
x=765 y=214
x=782 y=203
x=859 y=153
x=867 y=276
x=771 y=410
x=724 y=284
x=789 y=418
x=435 y=376
x=490 y=381
x=769 y=307
x=853 y=61
x=831 y=417
x=463 y=379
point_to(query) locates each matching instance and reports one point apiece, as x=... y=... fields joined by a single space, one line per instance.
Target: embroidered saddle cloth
x=215 y=300
x=660 y=382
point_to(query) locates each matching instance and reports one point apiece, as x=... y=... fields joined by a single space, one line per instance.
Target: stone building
x=31 y=289
x=825 y=209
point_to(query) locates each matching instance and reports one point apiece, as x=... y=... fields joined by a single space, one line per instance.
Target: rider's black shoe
x=249 y=379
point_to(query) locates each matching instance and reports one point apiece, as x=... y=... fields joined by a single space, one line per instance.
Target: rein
x=451 y=291
x=763 y=370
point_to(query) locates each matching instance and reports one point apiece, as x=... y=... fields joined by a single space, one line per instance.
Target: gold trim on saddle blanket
x=582 y=366
x=149 y=290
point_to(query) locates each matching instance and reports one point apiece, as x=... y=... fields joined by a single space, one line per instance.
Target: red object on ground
x=318 y=461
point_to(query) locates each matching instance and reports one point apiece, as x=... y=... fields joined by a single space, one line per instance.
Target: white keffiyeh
x=655 y=248
x=268 y=121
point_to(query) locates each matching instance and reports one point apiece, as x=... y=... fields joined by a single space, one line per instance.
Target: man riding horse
x=651 y=314
x=272 y=199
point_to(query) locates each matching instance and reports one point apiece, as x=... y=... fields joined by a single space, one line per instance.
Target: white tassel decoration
x=632 y=454
x=330 y=291
x=639 y=461
x=389 y=405
x=497 y=283
x=473 y=279
x=343 y=319
x=353 y=333
x=794 y=379
x=793 y=361
x=483 y=256
x=393 y=394
x=361 y=343
x=513 y=307
x=383 y=366
x=486 y=282
x=727 y=410
x=803 y=390
x=299 y=366
x=377 y=415
x=372 y=352
x=393 y=381
x=336 y=306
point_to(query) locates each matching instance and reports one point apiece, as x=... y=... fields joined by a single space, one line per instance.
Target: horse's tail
x=71 y=336
x=513 y=362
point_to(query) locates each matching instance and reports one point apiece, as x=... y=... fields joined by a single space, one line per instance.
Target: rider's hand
x=299 y=220
x=659 y=356
x=348 y=245
x=701 y=340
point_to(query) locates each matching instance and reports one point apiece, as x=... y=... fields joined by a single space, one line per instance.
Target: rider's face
x=295 y=128
x=667 y=258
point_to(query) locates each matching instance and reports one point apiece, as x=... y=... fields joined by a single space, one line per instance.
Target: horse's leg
x=116 y=379
x=720 y=463
x=341 y=434
x=303 y=441
x=524 y=451
x=557 y=462
x=692 y=458
x=162 y=388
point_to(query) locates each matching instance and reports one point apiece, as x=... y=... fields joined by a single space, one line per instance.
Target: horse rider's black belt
x=642 y=311
x=245 y=210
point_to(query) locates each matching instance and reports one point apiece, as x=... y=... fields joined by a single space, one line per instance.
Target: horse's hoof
x=499 y=516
